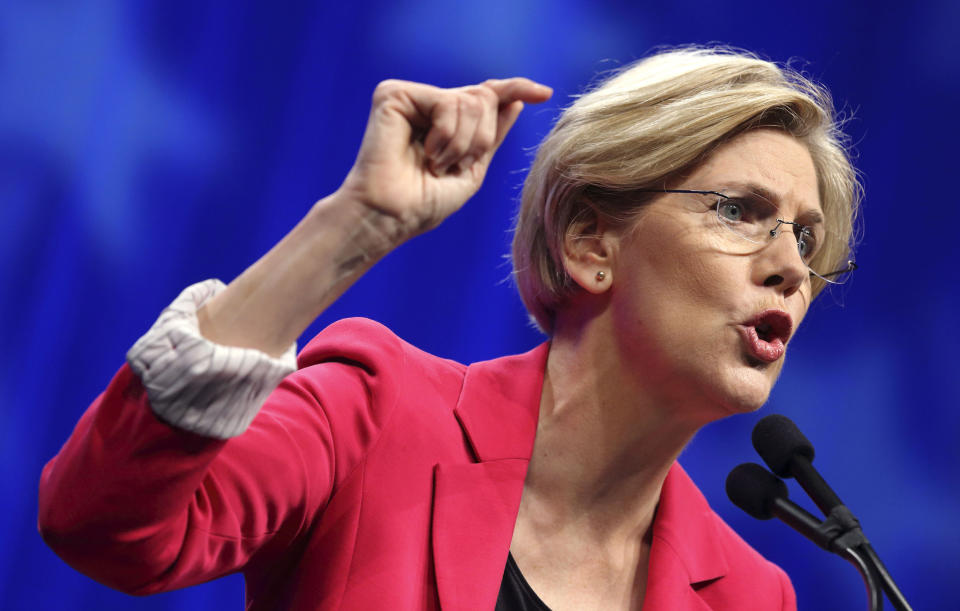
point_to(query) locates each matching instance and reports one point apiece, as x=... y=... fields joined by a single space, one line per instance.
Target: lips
x=766 y=335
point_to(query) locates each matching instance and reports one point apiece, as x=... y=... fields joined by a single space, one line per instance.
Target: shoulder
x=365 y=341
x=353 y=378
x=360 y=362
x=373 y=348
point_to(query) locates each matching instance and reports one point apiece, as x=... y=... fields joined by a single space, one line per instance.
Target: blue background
x=148 y=145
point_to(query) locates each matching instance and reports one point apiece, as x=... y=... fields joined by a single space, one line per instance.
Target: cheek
x=695 y=258
x=680 y=282
x=702 y=284
x=675 y=263
x=680 y=299
x=803 y=299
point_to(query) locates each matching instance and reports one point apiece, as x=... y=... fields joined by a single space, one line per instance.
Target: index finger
x=519 y=88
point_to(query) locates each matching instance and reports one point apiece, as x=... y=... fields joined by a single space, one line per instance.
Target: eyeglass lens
x=758 y=220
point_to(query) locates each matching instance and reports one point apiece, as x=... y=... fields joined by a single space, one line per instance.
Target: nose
x=779 y=264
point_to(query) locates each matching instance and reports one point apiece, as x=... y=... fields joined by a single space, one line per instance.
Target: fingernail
x=467 y=161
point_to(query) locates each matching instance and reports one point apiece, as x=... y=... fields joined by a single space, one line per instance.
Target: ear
x=589 y=246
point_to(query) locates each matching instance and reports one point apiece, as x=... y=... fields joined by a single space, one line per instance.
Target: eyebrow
x=811 y=216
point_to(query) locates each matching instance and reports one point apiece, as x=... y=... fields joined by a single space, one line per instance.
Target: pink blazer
x=375 y=477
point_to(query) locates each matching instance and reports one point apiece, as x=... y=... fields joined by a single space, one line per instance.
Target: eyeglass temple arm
x=851 y=266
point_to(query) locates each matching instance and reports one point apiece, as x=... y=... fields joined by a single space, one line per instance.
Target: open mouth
x=764 y=331
x=772 y=325
x=766 y=335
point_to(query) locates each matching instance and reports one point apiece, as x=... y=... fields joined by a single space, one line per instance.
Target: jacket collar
x=687 y=552
x=475 y=505
x=687 y=524
x=499 y=405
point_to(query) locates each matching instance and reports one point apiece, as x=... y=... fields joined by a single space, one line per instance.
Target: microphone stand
x=853 y=541
x=840 y=533
x=789 y=454
x=893 y=592
x=850 y=535
x=869 y=578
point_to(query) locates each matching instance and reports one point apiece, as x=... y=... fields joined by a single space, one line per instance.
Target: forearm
x=271 y=303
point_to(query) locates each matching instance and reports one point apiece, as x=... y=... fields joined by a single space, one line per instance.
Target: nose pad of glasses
x=776 y=229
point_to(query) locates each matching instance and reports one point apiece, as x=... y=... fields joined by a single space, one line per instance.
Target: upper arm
x=143 y=506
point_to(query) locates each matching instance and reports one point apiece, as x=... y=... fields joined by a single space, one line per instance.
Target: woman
x=674 y=228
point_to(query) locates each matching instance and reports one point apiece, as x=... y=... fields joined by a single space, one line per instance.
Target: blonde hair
x=648 y=123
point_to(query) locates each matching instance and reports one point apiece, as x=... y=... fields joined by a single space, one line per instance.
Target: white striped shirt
x=197 y=385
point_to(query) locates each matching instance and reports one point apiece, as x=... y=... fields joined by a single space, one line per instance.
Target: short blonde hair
x=644 y=126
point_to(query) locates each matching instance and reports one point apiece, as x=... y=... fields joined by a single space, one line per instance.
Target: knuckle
x=472 y=104
x=485 y=139
x=444 y=122
x=494 y=90
x=446 y=111
x=444 y=130
x=484 y=96
x=386 y=89
x=490 y=95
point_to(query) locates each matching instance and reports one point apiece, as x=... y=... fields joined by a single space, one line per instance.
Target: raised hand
x=426 y=150
x=424 y=153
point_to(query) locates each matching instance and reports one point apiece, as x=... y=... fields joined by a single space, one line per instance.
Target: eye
x=806 y=242
x=730 y=210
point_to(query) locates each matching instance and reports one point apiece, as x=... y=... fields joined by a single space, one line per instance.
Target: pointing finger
x=519 y=88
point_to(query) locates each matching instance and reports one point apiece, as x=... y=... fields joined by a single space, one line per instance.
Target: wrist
x=375 y=231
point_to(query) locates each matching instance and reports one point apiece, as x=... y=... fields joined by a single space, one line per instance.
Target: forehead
x=774 y=163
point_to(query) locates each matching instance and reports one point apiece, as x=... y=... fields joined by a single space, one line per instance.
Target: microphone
x=789 y=453
x=762 y=495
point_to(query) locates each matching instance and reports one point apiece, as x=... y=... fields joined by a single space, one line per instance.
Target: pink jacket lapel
x=475 y=505
x=687 y=553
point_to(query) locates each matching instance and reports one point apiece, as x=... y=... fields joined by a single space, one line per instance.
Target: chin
x=744 y=393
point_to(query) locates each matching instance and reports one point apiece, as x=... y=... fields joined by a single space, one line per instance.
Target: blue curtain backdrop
x=148 y=145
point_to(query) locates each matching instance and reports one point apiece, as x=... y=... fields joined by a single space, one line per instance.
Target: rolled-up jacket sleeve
x=197 y=385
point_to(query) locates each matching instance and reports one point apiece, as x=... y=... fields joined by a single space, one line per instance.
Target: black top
x=515 y=593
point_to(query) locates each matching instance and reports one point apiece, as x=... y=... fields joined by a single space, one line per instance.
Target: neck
x=604 y=445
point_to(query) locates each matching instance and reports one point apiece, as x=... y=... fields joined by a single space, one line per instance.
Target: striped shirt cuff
x=197 y=385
